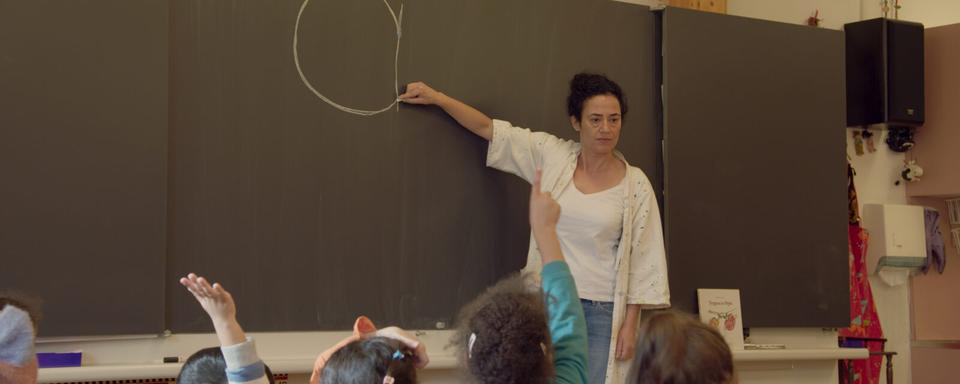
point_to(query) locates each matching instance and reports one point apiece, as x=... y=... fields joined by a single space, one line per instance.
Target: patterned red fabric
x=864 y=321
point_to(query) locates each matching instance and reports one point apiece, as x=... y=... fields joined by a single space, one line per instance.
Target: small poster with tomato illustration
x=720 y=308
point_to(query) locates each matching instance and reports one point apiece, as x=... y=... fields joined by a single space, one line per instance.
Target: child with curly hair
x=516 y=333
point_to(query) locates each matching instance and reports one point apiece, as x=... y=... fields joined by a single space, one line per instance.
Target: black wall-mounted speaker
x=884 y=72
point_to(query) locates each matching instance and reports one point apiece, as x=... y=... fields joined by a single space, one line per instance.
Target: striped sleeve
x=243 y=364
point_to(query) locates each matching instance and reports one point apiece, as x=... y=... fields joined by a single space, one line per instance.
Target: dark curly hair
x=207 y=366
x=585 y=85
x=676 y=348
x=24 y=302
x=368 y=360
x=512 y=337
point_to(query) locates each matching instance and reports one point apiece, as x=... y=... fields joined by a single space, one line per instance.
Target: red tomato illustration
x=730 y=322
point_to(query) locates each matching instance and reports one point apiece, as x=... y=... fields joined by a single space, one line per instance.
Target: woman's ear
x=575 y=123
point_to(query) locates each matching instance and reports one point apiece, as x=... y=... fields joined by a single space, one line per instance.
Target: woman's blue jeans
x=599 y=316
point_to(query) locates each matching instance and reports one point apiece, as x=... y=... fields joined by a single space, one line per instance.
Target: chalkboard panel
x=312 y=216
x=754 y=156
x=83 y=156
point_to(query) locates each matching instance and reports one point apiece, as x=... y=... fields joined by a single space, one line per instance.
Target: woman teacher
x=609 y=226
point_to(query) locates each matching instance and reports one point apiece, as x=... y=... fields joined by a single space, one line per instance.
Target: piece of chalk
x=171 y=359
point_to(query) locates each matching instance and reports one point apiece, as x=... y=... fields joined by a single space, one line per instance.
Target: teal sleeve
x=568 y=328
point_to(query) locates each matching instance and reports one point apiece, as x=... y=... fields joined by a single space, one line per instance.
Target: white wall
x=875 y=177
x=932 y=13
x=833 y=13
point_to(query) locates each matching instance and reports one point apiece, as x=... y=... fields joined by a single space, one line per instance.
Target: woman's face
x=599 y=124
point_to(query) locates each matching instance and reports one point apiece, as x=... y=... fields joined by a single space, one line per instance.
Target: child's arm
x=568 y=327
x=544 y=214
x=240 y=353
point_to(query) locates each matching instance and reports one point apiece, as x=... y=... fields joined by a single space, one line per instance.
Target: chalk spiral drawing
x=397 y=21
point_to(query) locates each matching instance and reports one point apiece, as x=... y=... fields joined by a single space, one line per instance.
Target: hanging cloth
x=864 y=321
x=853 y=205
x=936 y=256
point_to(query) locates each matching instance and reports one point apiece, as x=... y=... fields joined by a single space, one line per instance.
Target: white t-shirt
x=589 y=229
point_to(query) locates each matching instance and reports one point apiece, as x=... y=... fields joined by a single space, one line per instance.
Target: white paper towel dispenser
x=897 y=243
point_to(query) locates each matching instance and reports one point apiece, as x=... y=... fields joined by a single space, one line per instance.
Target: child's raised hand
x=214 y=299
x=544 y=210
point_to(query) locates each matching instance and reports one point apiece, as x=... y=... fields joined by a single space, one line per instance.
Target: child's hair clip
x=398 y=355
x=473 y=339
